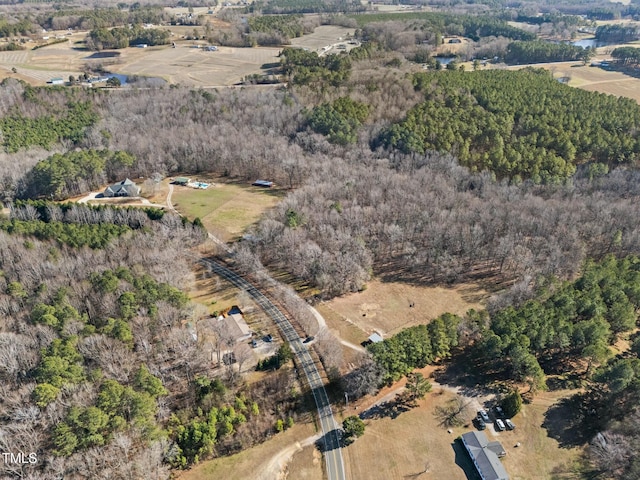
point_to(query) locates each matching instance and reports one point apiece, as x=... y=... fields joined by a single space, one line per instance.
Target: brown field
x=323 y=36
x=385 y=306
x=593 y=78
x=191 y=66
x=183 y=65
x=401 y=448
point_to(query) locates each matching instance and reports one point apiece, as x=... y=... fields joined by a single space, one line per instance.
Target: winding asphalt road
x=330 y=429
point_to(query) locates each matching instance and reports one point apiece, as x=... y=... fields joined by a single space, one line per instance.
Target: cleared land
x=183 y=65
x=265 y=461
x=194 y=66
x=323 y=36
x=385 y=307
x=593 y=78
x=402 y=447
x=226 y=209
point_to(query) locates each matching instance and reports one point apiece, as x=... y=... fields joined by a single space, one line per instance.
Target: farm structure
x=125 y=188
x=181 y=180
x=263 y=183
x=485 y=456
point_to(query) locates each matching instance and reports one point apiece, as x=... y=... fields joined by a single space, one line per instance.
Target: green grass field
x=226 y=209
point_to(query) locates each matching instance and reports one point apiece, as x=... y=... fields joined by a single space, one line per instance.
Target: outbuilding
x=263 y=183
x=181 y=180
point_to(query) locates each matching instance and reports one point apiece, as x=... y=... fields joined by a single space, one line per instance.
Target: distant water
x=588 y=42
x=445 y=60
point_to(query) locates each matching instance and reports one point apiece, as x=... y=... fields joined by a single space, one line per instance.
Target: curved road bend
x=330 y=431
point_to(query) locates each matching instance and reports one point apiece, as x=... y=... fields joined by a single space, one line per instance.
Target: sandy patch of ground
x=385 y=307
x=323 y=36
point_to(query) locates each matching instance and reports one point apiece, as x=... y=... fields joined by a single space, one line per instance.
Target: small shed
x=181 y=180
x=375 y=338
x=263 y=183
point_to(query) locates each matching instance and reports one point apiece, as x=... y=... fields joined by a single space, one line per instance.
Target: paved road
x=330 y=431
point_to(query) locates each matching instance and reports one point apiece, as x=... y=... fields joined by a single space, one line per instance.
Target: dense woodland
x=428 y=178
x=518 y=123
x=96 y=359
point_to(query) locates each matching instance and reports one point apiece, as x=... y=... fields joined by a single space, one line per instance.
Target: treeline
x=566 y=322
x=523 y=124
x=617 y=33
x=102 y=38
x=473 y=27
x=304 y=67
x=608 y=411
x=83 y=19
x=627 y=55
x=19 y=131
x=79 y=225
x=415 y=347
x=270 y=7
x=289 y=26
x=21 y=27
x=64 y=175
x=554 y=18
x=541 y=52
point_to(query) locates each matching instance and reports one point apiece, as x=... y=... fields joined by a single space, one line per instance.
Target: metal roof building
x=485 y=456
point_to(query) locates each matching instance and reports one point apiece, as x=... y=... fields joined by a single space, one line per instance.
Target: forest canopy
x=521 y=123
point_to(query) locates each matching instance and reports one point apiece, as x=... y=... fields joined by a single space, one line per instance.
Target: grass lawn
x=226 y=209
x=414 y=441
x=403 y=447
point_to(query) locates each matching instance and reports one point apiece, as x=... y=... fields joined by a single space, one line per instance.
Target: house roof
x=233 y=326
x=125 y=185
x=484 y=455
x=181 y=180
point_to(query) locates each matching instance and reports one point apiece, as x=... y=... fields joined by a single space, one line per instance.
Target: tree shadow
x=567 y=423
x=330 y=441
x=391 y=409
x=463 y=461
x=460 y=375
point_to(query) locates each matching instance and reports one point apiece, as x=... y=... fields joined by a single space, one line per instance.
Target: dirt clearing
x=323 y=36
x=386 y=307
